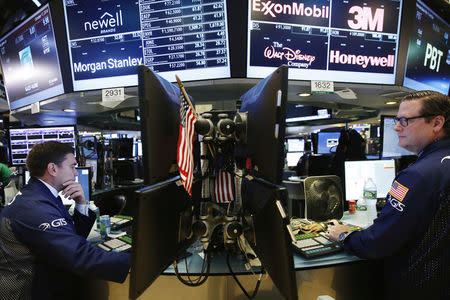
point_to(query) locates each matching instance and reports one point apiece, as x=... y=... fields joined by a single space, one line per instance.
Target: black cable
x=258 y=283
x=200 y=280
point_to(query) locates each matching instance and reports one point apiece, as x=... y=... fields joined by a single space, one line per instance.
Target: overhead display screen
x=23 y=139
x=428 y=62
x=29 y=60
x=339 y=40
x=109 y=39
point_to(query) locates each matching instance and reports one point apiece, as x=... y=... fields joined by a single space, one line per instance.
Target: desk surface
x=219 y=266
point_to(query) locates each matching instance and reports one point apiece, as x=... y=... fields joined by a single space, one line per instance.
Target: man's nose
x=398 y=127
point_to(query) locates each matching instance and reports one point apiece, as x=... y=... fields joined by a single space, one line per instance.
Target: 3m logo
x=363 y=19
x=106 y=23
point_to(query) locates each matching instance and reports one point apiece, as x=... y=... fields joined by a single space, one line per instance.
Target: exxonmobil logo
x=296 y=9
x=336 y=57
x=106 y=23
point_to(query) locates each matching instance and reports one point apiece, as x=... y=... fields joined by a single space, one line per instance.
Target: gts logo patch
x=55 y=223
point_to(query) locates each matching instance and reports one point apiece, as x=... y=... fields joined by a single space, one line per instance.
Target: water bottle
x=370 y=192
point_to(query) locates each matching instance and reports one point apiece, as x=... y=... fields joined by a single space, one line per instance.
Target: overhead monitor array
x=108 y=40
x=103 y=42
x=340 y=40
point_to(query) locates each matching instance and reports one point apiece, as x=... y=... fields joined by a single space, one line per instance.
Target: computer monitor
x=327 y=142
x=137 y=148
x=121 y=148
x=83 y=178
x=389 y=140
x=157 y=234
x=292 y=158
x=272 y=242
x=159 y=105
x=33 y=63
x=156 y=230
x=266 y=107
x=382 y=173
x=360 y=128
x=23 y=139
x=297 y=113
x=108 y=40
x=295 y=145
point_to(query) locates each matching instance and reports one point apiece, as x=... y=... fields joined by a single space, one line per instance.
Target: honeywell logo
x=296 y=9
x=362 y=60
x=106 y=23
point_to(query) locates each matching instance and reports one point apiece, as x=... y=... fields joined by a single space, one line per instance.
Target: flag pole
x=180 y=84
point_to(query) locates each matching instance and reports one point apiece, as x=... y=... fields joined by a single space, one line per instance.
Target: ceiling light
x=49 y=121
x=38 y=4
x=391 y=102
x=68 y=110
x=304 y=94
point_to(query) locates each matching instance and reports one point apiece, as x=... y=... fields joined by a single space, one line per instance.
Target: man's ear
x=51 y=169
x=438 y=123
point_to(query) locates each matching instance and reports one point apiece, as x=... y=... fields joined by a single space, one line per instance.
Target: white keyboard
x=306 y=243
x=114 y=243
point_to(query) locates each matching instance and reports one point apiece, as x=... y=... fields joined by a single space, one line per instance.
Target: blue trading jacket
x=42 y=246
x=396 y=235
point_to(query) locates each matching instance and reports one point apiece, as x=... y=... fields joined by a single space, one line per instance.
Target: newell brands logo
x=107 y=23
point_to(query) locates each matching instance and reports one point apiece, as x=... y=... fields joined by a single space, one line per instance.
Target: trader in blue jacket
x=42 y=247
x=412 y=233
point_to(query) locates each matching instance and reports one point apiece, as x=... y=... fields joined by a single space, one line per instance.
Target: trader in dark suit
x=43 y=247
x=412 y=233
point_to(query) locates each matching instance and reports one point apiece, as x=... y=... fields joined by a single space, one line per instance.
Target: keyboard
x=313 y=245
x=119 y=222
x=120 y=244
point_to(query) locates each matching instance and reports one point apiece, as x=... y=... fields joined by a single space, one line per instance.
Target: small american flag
x=185 y=156
x=224 y=187
x=398 y=191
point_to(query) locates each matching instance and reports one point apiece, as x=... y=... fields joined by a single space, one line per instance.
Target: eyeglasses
x=404 y=121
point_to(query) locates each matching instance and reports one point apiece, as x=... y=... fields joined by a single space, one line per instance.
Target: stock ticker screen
x=428 y=63
x=23 y=139
x=29 y=60
x=340 y=40
x=109 y=39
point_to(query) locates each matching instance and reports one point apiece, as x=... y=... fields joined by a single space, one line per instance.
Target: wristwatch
x=343 y=236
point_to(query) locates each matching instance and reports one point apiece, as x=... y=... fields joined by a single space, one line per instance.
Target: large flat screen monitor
x=265 y=104
x=272 y=242
x=159 y=103
x=292 y=158
x=428 y=62
x=389 y=140
x=30 y=63
x=23 y=139
x=156 y=228
x=109 y=39
x=296 y=112
x=382 y=173
x=340 y=40
x=327 y=142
